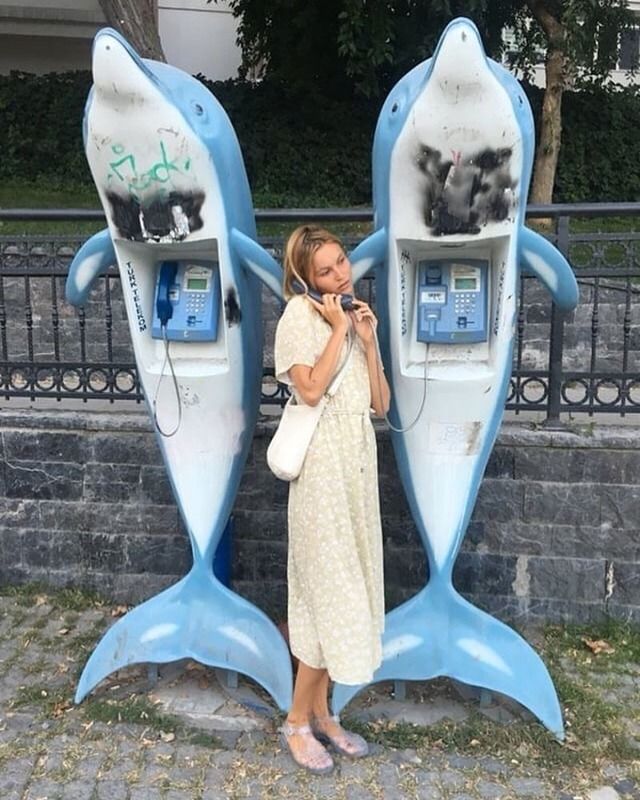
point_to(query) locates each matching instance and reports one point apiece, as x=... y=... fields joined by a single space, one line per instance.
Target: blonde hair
x=299 y=252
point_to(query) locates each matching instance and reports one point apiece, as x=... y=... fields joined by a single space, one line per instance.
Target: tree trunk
x=138 y=23
x=550 y=137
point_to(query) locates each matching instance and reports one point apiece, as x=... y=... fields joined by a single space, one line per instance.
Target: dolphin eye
x=198 y=109
x=394 y=108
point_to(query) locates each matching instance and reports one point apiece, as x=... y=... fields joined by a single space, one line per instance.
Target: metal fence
x=587 y=363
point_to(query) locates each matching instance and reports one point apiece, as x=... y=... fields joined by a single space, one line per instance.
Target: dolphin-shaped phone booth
x=170 y=175
x=452 y=161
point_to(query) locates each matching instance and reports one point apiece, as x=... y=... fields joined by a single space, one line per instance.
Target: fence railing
x=587 y=363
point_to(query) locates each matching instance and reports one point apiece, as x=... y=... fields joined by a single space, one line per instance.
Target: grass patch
x=569 y=641
x=46 y=194
x=136 y=709
x=72 y=599
x=50 y=702
x=139 y=710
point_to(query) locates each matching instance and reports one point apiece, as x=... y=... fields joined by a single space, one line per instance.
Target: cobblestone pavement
x=194 y=738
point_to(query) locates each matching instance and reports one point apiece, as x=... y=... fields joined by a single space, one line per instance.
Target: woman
x=335 y=584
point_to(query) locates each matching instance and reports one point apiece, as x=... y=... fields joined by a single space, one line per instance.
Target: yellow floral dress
x=335 y=581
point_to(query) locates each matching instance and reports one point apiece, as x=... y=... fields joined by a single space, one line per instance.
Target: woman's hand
x=364 y=322
x=332 y=311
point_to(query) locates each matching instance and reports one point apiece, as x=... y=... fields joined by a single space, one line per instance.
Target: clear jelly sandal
x=345 y=742
x=312 y=756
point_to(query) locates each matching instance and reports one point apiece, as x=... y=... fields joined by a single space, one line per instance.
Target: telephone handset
x=187 y=302
x=452 y=301
x=166 y=280
x=346 y=300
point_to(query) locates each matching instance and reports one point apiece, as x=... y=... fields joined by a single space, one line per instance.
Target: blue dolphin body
x=452 y=161
x=170 y=175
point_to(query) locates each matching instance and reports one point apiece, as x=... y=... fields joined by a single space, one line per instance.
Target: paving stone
x=427 y=787
x=603 y=793
x=626 y=786
x=15 y=775
x=214 y=793
x=112 y=790
x=323 y=786
x=616 y=771
x=408 y=756
x=451 y=780
x=79 y=790
x=388 y=776
x=46 y=788
x=462 y=762
x=120 y=769
x=494 y=766
x=528 y=787
x=145 y=793
x=355 y=792
x=352 y=770
x=491 y=791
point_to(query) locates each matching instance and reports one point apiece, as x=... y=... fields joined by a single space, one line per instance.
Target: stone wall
x=555 y=535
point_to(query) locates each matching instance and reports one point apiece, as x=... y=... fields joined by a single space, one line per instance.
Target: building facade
x=42 y=36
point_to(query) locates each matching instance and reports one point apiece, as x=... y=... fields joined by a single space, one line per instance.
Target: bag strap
x=332 y=388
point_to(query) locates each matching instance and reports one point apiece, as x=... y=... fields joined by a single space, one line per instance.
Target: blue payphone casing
x=452 y=300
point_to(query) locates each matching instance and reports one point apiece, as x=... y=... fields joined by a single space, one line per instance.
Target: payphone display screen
x=197 y=284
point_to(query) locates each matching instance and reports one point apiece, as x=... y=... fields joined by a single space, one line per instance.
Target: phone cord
x=424 y=390
x=167 y=357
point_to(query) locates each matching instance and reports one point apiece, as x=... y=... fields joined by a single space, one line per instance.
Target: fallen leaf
x=63 y=631
x=598 y=646
x=119 y=611
x=167 y=737
x=60 y=708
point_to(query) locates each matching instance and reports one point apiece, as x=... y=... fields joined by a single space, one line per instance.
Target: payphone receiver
x=346 y=300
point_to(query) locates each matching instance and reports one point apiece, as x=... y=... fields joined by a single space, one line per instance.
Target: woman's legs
x=309 y=687
x=311 y=706
x=307 y=692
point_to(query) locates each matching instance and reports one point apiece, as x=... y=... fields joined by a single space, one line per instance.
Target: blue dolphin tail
x=92 y=260
x=196 y=618
x=438 y=633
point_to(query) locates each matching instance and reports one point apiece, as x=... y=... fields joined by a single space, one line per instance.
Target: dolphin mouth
x=145 y=157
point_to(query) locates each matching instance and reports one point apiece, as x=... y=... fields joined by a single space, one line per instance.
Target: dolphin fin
x=256 y=259
x=196 y=618
x=369 y=253
x=437 y=632
x=539 y=257
x=92 y=260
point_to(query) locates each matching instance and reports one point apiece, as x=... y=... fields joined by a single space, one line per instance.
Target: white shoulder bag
x=288 y=448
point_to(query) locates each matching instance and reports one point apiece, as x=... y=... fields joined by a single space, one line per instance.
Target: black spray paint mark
x=159 y=219
x=233 y=312
x=464 y=194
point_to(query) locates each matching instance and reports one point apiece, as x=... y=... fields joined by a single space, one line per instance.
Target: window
x=629 y=49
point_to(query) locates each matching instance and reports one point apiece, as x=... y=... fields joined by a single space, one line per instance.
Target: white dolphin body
x=452 y=160
x=168 y=168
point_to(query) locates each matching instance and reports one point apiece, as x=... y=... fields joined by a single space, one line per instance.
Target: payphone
x=452 y=301
x=187 y=301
